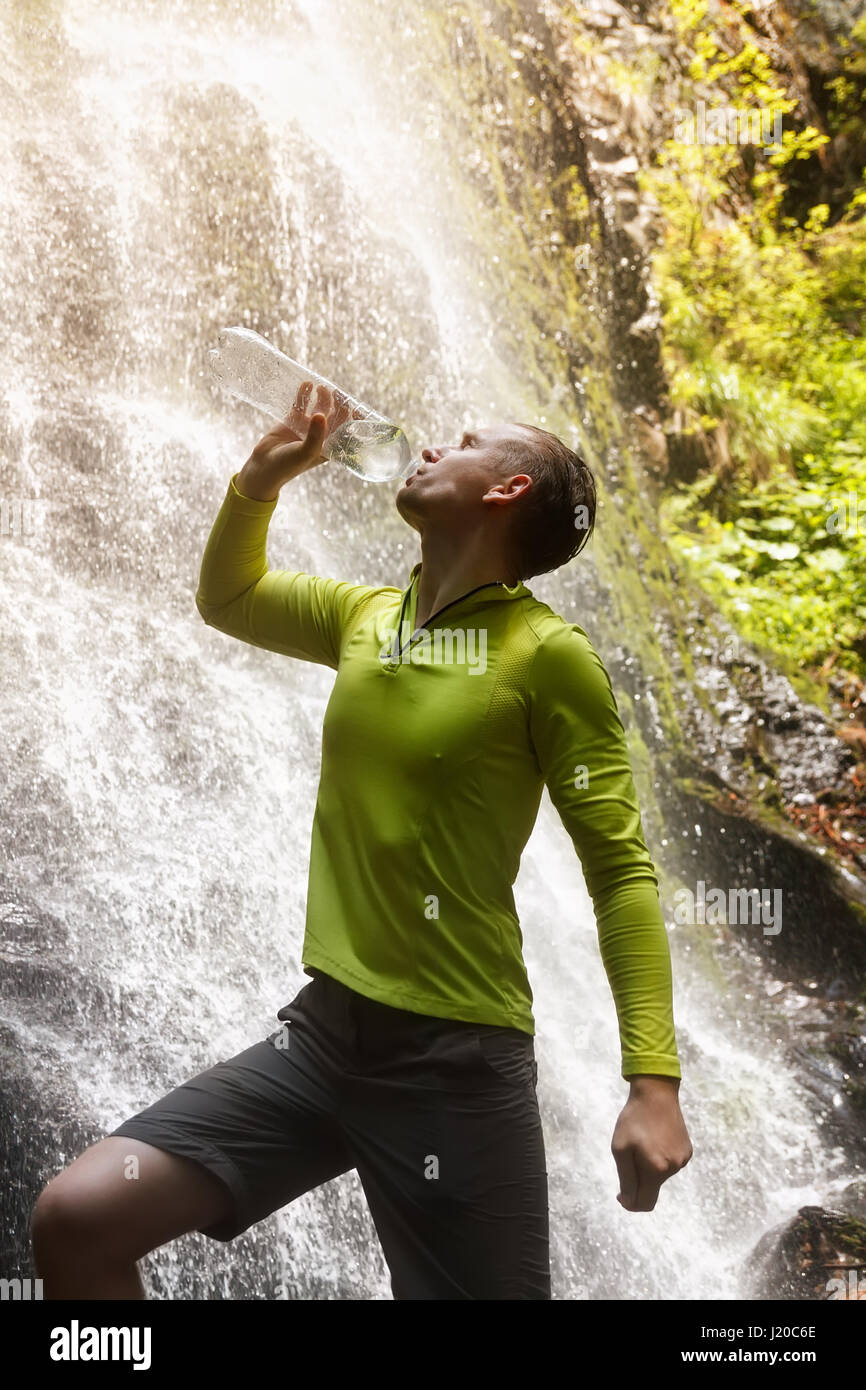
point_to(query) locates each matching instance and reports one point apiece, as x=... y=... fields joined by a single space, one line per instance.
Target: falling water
x=166 y=170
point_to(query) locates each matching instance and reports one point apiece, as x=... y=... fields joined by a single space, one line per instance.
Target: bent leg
x=119 y=1200
x=216 y=1155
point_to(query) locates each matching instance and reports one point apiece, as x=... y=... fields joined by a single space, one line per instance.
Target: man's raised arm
x=300 y=615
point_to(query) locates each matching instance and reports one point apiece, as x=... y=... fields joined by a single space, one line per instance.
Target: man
x=409 y=1056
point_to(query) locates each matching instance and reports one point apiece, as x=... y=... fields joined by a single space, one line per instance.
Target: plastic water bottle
x=250 y=367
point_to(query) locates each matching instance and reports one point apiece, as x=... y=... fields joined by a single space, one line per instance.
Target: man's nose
x=432 y=453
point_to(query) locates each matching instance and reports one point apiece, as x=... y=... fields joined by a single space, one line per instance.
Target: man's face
x=452 y=480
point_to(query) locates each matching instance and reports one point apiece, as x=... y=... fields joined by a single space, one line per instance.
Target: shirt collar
x=488 y=592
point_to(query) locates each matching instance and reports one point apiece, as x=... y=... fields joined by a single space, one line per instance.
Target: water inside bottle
x=373 y=448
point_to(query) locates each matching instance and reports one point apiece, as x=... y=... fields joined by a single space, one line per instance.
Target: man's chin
x=404 y=502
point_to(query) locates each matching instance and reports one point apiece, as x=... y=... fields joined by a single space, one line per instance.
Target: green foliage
x=765 y=351
x=790 y=567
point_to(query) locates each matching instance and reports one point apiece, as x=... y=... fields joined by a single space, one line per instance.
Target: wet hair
x=555 y=518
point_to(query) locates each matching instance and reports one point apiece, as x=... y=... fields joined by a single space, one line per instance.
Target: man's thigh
x=448 y=1144
x=119 y=1200
x=262 y=1122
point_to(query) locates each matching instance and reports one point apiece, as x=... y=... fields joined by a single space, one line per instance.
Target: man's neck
x=448 y=571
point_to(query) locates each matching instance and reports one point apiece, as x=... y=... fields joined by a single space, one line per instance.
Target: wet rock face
x=617 y=127
x=846 y=1044
x=816 y=28
x=853 y=1199
x=39 y=1131
x=818 y=1255
x=39 y=1125
x=764 y=724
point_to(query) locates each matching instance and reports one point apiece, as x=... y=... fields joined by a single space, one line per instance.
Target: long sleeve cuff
x=650 y=1064
x=247 y=506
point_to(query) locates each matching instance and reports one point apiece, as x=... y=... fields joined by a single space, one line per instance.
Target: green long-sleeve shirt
x=436 y=746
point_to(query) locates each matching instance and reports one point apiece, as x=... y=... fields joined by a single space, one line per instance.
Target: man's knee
x=89 y=1212
x=67 y=1220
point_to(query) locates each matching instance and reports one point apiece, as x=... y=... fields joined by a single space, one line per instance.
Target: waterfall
x=168 y=169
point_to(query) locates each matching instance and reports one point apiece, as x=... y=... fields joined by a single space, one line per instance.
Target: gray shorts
x=439 y=1118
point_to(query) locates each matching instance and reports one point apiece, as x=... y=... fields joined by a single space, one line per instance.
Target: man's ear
x=506 y=492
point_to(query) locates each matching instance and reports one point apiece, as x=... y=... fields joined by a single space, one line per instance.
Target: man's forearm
x=636 y=957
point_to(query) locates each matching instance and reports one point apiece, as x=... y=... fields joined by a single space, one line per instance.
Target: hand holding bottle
x=294 y=444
